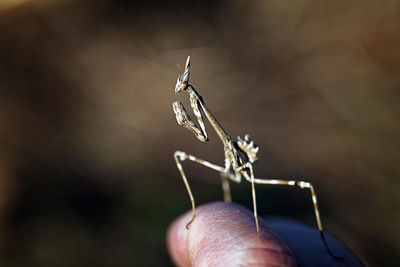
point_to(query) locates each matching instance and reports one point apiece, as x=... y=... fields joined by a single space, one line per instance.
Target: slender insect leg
x=234 y=177
x=225 y=187
x=181 y=156
x=253 y=192
x=178 y=158
x=251 y=179
x=302 y=185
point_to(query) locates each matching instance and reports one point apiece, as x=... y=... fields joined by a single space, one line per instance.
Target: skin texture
x=223 y=234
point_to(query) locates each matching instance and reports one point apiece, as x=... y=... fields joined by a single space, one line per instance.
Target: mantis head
x=182 y=82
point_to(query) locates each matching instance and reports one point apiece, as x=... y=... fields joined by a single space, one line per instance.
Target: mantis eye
x=183 y=80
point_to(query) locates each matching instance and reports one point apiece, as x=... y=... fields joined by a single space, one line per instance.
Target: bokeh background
x=87 y=131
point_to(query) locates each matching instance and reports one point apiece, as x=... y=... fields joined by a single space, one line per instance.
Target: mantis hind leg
x=303 y=185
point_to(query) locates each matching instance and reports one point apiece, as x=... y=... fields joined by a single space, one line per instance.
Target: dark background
x=87 y=131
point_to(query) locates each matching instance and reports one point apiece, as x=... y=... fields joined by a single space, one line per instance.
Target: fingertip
x=177 y=242
x=225 y=234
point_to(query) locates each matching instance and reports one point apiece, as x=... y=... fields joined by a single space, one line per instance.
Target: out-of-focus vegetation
x=87 y=130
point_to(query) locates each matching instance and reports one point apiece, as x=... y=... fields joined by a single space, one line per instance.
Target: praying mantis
x=239 y=154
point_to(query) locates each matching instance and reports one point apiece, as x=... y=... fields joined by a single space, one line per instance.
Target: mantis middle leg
x=182 y=156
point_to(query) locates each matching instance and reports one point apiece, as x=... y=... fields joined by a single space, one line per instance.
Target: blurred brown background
x=87 y=130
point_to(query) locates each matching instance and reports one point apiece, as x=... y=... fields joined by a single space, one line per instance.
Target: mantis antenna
x=239 y=154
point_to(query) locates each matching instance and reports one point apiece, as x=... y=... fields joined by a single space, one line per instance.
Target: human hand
x=223 y=234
